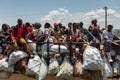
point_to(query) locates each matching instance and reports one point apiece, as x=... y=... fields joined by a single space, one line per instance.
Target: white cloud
x=58 y=15
x=117 y=15
x=111 y=12
x=4 y=20
x=63 y=15
x=91 y=13
x=101 y=20
x=100 y=11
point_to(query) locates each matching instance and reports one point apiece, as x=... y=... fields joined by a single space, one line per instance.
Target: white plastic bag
x=55 y=48
x=3 y=64
x=92 y=59
x=44 y=48
x=53 y=66
x=16 y=56
x=66 y=69
x=38 y=67
x=107 y=71
x=5 y=67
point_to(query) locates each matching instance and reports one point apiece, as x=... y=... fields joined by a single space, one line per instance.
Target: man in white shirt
x=108 y=37
x=109 y=34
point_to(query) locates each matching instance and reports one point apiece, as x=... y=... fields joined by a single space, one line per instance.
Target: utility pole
x=105 y=8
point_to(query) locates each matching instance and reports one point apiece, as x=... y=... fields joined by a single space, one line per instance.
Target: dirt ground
x=23 y=77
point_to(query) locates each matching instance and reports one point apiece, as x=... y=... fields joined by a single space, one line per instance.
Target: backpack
x=92 y=59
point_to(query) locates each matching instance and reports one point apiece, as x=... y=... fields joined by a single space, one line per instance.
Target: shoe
x=110 y=60
x=115 y=70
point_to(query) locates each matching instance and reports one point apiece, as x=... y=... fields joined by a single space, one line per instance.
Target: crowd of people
x=58 y=32
x=75 y=32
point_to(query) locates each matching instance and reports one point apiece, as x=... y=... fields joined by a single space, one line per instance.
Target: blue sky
x=60 y=11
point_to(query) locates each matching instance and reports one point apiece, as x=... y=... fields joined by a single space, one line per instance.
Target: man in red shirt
x=18 y=36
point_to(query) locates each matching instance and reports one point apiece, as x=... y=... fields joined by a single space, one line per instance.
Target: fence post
x=37 y=47
x=48 y=52
x=70 y=55
x=59 y=47
x=70 y=47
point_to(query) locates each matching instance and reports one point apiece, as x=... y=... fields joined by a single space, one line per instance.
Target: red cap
x=55 y=24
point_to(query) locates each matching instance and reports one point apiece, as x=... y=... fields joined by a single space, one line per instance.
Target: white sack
x=66 y=69
x=53 y=66
x=44 y=48
x=55 y=48
x=38 y=67
x=107 y=71
x=4 y=65
x=16 y=56
x=92 y=59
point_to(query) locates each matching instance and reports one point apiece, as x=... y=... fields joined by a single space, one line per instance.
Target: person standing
x=94 y=29
x=37 y=32
x=75 y=33
x=108 y=37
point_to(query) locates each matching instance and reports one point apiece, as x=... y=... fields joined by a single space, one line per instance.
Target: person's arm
x=115 y=36
x=89 y=28
x=70 y=32
x=80 y=34
x=104 y=35
x=12 y=35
